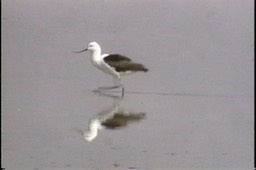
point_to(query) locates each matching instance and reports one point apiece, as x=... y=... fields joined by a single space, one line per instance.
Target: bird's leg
x=120 y=84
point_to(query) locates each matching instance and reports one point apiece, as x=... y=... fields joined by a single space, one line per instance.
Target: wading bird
x=113 y=64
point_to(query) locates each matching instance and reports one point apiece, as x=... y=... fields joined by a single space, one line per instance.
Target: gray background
x=197 y=96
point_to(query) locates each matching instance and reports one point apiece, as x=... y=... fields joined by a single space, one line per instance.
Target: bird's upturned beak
x=80 y=51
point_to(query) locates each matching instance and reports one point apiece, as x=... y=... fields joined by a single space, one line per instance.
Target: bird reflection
x=112 y=117
x=120 y=120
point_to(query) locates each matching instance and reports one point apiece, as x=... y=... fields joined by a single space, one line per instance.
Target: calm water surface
x=192 y=110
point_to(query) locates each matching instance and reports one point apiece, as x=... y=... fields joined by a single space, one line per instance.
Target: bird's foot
x=105 y=88
x=108 y=88
x=102 y=89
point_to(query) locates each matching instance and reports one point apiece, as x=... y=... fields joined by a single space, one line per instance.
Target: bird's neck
x=96 y=53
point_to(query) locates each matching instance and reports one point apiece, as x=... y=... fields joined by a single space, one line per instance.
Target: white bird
x=112 y=64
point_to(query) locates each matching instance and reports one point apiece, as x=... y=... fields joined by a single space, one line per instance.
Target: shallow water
x=192 y=110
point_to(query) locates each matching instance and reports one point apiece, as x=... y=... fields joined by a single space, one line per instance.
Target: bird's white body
x=97 y=61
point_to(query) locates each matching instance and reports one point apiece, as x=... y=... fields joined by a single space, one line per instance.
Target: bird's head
x=92 y=47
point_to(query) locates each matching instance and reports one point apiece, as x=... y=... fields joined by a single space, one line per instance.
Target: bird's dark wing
x=116 y=57
x=122 y=63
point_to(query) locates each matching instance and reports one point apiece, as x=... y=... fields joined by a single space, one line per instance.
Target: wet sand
x=192 y=110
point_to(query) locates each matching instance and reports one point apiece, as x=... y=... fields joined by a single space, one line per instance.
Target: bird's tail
x=141 y=67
